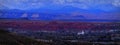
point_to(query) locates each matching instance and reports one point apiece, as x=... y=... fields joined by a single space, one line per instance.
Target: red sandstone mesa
x=39 y=25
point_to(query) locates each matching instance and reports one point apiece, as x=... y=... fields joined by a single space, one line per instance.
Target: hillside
x=7 y=38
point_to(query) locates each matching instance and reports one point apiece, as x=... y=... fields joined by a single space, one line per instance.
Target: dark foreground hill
x=7 y=38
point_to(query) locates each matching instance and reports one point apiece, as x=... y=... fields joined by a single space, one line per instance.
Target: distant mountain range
x=59 y=9
x=64 y=14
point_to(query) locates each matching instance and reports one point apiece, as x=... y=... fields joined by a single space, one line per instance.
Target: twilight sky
x=82 y=4
x=112 y=6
